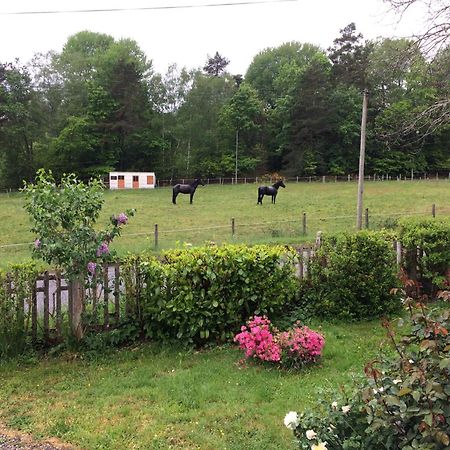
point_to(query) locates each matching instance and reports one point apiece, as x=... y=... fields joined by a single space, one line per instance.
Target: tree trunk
x=77 y=308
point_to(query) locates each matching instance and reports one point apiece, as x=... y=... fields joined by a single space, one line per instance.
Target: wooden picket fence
x=48 y=308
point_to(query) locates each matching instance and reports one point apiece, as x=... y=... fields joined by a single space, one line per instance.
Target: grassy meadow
x=329 y=207
x=151 y=397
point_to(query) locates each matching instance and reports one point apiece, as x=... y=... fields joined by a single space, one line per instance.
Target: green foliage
x=16 y=287
x=351 y=277
x=403 y=403
x=63 y=218
x=204 y=294
x=427 y=244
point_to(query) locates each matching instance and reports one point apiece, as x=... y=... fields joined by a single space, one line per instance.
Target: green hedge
x=205 y=294
x=351 y=276
x=427 y=251
x=15 y=321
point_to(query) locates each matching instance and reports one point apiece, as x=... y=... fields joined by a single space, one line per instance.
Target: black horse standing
x=185 y=189
x=269 y=190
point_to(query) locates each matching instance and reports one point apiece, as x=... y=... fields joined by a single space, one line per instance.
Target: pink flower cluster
x=302 y=343
x=257 y=340
x=262 y=341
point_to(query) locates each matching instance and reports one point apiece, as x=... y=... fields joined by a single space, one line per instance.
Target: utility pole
x=237 y=146
x=362 y=152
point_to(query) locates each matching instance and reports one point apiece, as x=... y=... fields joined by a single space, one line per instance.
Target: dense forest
x=98 y=106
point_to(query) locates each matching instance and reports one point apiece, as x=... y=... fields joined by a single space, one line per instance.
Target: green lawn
x=329 y=207
x=160 y=398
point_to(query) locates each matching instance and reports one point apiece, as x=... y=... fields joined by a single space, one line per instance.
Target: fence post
x=348 y=177
x=398 y=251
x=76 y=288
x=297 y=178
x=105 y=297
x=233 y=229
x=156 y=236
x=318 y=239
x=367 y=217
x=304 y=223
x=116 y=293
x=58 y=306
x=46 y=306
x=433 y=210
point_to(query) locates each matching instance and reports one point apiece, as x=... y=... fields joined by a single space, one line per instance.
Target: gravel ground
x=10 y=440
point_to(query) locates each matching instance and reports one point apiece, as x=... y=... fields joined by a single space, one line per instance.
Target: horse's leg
x=274 y=197
x=174 y=197
x=192 y=196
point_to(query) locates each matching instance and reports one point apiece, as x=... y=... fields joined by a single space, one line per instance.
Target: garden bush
x=204 y=294
x=293 y=348
x=15 y=307
x=351 y=277
x=403 y=402
x=427 y=255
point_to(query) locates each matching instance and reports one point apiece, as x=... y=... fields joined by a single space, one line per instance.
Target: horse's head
x=199 y=181
x=280 y=183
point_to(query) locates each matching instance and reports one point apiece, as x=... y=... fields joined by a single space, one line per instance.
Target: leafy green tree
x=20 y=125
x=242 y=117
x=349 y=56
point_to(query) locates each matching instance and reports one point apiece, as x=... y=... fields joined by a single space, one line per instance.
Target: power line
x=147 y=8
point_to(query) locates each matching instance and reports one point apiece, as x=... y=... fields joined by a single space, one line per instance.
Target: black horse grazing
x=269 y=190
x=185 y=189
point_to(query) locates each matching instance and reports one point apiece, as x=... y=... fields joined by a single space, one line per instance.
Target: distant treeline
x=99 y=106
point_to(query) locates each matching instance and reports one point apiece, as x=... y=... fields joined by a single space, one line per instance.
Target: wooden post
x=398 y=252
x=156 y=236
x=34 y=313
x=76 y=287
x=46 y=306
x=105 y=297
x=367 y=218
x=433 y=210
x=318 y=239
x=323 y=179
x=304 y=223
x=362 y=152
x=233 y=229
x=117 y=293
x=58 y=306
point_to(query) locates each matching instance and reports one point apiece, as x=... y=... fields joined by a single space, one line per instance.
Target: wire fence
x=303 y=228
x=411 y=176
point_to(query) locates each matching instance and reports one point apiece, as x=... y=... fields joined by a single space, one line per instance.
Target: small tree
x=63 y=218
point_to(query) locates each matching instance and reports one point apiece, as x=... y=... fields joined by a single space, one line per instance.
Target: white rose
x=345 y=409
x=310 y=434
x=291 y=420
x=334 y=405
x=397 y=381
x=319 y=446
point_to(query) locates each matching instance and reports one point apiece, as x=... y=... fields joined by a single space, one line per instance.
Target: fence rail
x=412 y=176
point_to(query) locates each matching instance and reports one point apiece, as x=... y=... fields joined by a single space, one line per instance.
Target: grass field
x=154 y=398
x=329 y=207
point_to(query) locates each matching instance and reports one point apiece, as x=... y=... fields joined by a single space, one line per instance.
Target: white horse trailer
x=132 y=180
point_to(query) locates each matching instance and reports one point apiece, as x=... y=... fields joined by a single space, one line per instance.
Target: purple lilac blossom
x=91 y=267
x=122 y=219
x=103 y=249
x=37 y=243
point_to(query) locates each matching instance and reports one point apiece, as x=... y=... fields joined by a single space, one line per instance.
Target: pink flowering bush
x=293 y=348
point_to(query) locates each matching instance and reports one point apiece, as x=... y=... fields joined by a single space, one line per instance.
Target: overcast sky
x=187 y=35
